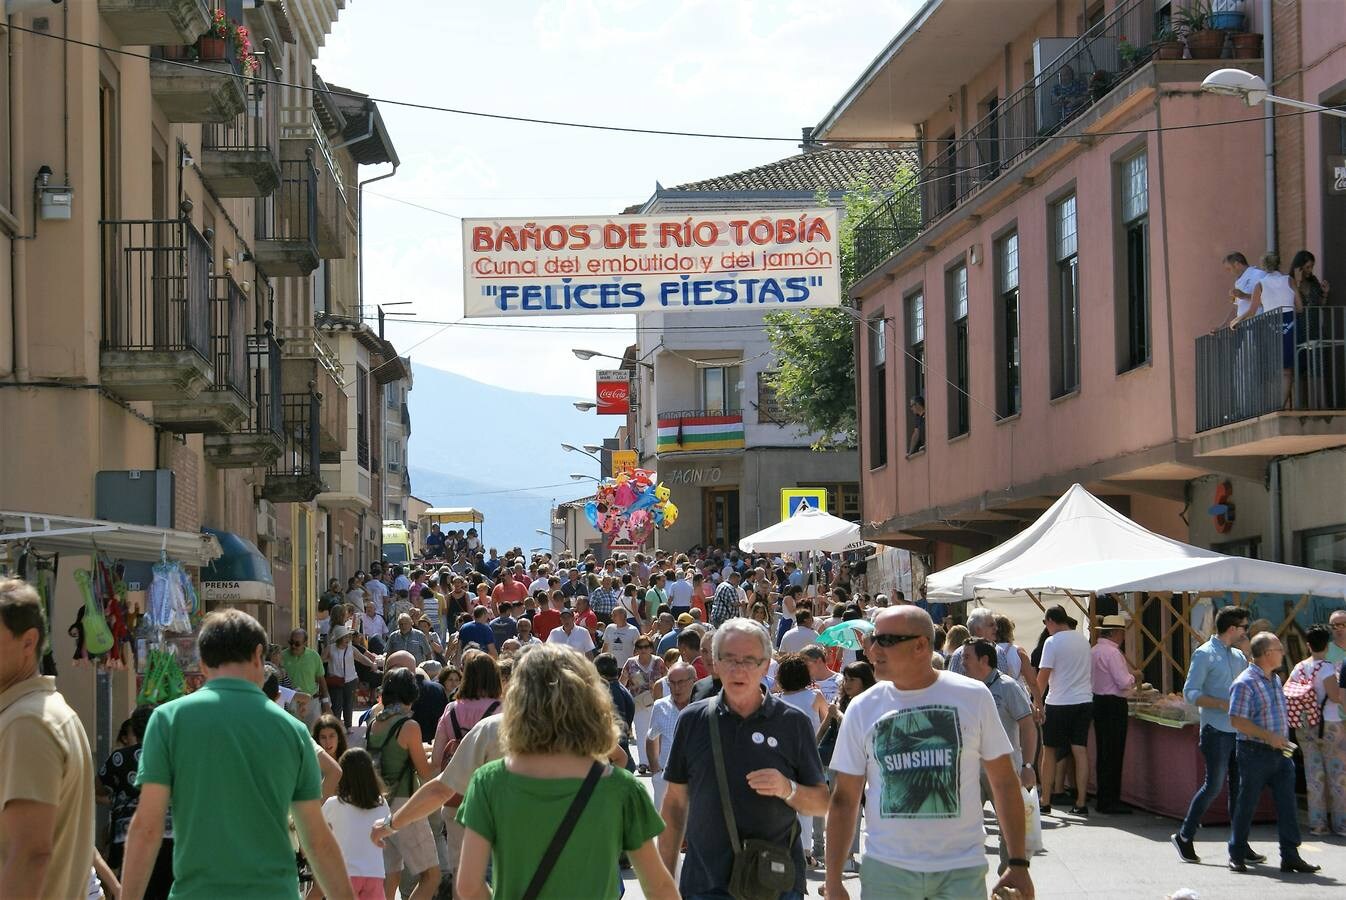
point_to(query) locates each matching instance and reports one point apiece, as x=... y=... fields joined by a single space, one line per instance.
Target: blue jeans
x=1261 y=765
x=1218 y=749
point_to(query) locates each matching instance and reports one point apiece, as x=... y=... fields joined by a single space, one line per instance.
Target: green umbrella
x=846 y=635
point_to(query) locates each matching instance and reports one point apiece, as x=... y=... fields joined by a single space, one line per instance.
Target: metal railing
x=306 y=342
x=155 y=286
x=299 y=431
x=699 y=413
x=1085 y=72
x=264 y=384
x=1241 y=373
x=251 y=130
x=228 y=340
x=362 y=453
x=291 y=212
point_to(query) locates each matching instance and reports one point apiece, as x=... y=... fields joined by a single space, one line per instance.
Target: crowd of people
x=514 y=706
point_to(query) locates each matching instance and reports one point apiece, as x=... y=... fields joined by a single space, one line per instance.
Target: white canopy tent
x=1084 y=546
x=807 y=530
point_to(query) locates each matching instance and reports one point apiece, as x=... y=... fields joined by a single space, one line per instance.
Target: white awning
x=66 y=534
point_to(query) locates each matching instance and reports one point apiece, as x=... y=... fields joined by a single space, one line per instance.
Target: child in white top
x=351 y=815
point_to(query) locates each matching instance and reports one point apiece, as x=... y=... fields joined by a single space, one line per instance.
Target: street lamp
x=590 y=354
x=1253 y=90
x=589 y=451
x=576 y=476
x=585 y=405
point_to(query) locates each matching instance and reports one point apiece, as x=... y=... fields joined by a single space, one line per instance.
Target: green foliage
x=815 y=349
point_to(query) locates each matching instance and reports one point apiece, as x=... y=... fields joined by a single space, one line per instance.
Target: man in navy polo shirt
x=771 y=762
x=478 y=632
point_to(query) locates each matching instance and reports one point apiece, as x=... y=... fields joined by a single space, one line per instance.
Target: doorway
x=721 y=525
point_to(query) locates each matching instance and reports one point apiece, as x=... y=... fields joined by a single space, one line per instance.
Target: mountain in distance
x=464 y=452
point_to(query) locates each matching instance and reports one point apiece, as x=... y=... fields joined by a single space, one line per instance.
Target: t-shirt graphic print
x=918 y=751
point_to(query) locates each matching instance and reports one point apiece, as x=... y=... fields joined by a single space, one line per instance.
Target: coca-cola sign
x=613 y=392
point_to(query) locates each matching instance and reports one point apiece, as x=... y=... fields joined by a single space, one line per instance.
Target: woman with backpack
x=351 y=814
x=394 y=742
x=553 y=790
x=478 y=697
x=1323 y=741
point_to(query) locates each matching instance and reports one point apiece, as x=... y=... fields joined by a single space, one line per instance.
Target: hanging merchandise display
x=629 y=507
x=163 y=680
x=173 y=601
x=110 y=588
x=93 y=637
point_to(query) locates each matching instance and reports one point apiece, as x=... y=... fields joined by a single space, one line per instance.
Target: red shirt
x=701 y=670
x=510 y=590
x=588 y=620
x=544 y=620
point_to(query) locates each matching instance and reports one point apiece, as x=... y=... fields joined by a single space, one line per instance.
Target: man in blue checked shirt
x=1257 y=712
x=1215 y=665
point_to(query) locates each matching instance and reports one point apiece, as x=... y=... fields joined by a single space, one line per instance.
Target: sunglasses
x=892 y=640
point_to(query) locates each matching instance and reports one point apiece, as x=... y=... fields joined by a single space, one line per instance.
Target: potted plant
x=1167 y=44
x=1128 y=52
x=1228 y=15
x=1247 y=45
x=225 y=34
x=1193 y=22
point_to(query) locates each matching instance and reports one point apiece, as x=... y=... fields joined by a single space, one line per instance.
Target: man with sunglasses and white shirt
x=916 y=744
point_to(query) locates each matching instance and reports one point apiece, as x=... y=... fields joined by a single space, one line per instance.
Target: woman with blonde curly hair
x=557 y=732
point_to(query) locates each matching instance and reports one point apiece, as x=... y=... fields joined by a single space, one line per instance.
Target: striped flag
x=701 y=432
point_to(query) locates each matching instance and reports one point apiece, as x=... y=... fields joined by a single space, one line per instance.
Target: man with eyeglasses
x=663 y=721
x=1215 y=665
x=771 y=766
x=1336 y=651
x=915 y=744
x=304 y=666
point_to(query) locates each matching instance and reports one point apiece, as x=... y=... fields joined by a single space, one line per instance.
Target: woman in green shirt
x=557 y=726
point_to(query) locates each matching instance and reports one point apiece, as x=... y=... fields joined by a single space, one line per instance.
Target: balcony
x=700 y=431
x=155 y=21
x=222 y=406
x=241 y=157
x=1101 y=59
x=311 y=361
x=331 y=216
x=1241 y=407
x=287 y=222
x=295 y=476
x=155 y=342
x=197 y=83
x=261 y=438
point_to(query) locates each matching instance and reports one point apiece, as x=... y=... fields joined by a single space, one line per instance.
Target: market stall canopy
x=240 y=575
x=66 y=534
x=1083 y=545
x=446 y=514
x=808 y=529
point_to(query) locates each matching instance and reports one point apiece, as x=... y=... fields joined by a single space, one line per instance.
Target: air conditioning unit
x=266 y=520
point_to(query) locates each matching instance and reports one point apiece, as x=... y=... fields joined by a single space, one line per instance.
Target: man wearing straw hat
x=1113 y=681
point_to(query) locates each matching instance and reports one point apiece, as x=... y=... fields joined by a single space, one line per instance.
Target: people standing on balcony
x=1070 y=94
x=1275 y=295
x=916 y=442
x=1246 y=278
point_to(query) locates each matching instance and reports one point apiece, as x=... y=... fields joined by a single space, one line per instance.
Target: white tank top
x=803 y=701
x=1277 y=293
x=1007 y=656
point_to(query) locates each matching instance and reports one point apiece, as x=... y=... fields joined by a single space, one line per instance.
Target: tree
x=815 y=349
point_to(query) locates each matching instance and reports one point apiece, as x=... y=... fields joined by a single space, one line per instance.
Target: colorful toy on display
x=630 y=506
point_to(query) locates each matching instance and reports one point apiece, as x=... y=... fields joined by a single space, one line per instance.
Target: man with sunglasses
x=1336 y=651
x=915 y=744
x=305 y=668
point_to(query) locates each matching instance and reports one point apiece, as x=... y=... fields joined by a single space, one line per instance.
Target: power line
x=622 y=129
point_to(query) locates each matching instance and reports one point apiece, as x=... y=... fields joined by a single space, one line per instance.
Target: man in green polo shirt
x=234 y=766
x=304 y=666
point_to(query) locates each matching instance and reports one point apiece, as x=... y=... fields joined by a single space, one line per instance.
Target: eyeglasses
x=1339 y=624
x=892 y=640
x=740 y=662
x=680 y=682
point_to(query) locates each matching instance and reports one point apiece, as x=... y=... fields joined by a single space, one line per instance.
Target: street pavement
x=1130 y=858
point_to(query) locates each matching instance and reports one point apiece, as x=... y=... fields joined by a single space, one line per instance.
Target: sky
x=698 y=65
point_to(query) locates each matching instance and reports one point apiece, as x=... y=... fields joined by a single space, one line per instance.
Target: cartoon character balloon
x=631 y=505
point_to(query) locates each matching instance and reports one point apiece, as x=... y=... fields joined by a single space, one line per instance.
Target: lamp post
x=576 y=476
x=1253 y=90
x=589 y=450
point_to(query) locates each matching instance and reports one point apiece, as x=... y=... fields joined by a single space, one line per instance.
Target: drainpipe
x=1274 y=512
x=360 y=237
x=17 y=346
x=1269 y=130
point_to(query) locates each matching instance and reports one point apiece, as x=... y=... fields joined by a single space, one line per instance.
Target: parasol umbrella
x=846 y=635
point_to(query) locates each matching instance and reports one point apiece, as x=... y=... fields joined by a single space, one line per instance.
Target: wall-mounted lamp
x=228 y=263
x=974 y=254
x=186 y=206
x=55 y=201
x=185 y=159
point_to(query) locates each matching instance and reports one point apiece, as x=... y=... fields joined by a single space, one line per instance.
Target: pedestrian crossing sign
x=792 y=500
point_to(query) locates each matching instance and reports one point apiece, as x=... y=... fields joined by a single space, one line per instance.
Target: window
x=391 y=394
x=769 y=409
x=362 y=415
x=1248 y=548
x=394 y=455
x=720 y=391
x=877 y=329
x=1324 y=548
x=1064 y=313
x=1134 y=318
x=1007 y=325
x=956 y=292
x=915 y=318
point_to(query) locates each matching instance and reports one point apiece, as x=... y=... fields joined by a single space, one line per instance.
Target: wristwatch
x=1018 y=861
x=794 y=789
x=387 y=822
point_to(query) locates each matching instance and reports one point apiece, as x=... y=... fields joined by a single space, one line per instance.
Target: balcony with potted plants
x=155 y=21
x=241 y=157
x=155 y=342
x=223 y=405
x=259 y=440
x=203 y=81
x=287 y=222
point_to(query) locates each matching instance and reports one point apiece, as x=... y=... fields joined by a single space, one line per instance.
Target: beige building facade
x=180 y=291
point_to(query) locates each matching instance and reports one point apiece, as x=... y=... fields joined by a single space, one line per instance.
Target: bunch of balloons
x=630 y=506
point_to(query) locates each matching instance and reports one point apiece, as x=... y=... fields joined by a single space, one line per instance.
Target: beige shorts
x=412 y=847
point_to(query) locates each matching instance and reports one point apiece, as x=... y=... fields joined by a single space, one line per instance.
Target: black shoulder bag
x=762 y=870
x=558 y=840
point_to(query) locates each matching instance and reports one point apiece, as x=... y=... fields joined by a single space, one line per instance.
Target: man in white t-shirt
x=801 y=635
x=680 y=593
x=827 y=682
x=619 y=638
x=571 y=635
x=1246 y=278
x=915 y=744
x=1067 y=667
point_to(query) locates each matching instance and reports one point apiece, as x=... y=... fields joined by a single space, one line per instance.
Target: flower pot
x=1168 y=50
x=1206 y=44
x=1247 y=45
x=211 y=48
